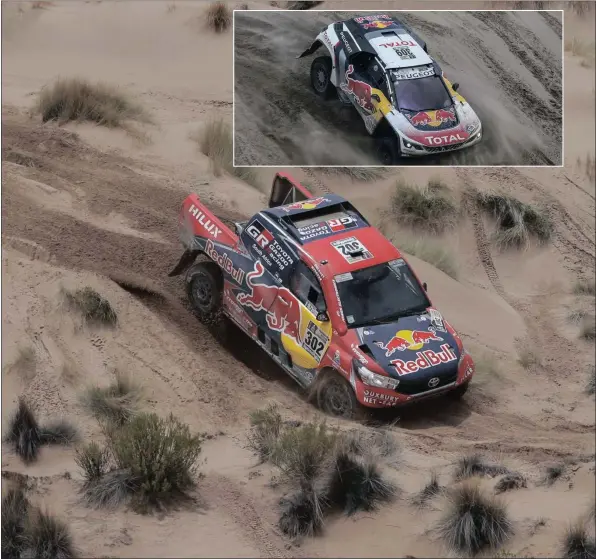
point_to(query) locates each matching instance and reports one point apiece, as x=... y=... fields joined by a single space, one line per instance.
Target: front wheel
x=320 y=77
x=335 y=396
x=204 y=290
x=388 y=150
x=458 y=393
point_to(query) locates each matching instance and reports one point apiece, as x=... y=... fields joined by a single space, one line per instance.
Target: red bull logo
x=309 y=204
x=408 y=339
x=377 y=24
x=361 y=91
x=433 y=118
x=424 y=360
x=280 y=304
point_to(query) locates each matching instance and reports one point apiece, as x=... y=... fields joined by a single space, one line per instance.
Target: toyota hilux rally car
x=381 y=67
x=327 y=297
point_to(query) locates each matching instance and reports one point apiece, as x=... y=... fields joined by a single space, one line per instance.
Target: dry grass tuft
x=552 y=473
x=428 y=492
x=431 y=251
x=585 y=287
x=266 y=427
x=356 y=173
x=75 y=99
x=516 y=221
x=116 y=403
x=15 y=506
x=588 y=328
x=474 y=465
x=430 y=207
x=215 y=141
x=474 y=521
x=302 y=513
x=93 y=306
x=218 y=17
x=512 y=480
x=582 y=49
x=577 y=543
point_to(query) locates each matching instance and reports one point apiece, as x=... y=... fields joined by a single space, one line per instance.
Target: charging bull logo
x=309 y=204
x=361 y=91
x=282 y=307
x=433 y=118
x=378 y=24
x=408 y=339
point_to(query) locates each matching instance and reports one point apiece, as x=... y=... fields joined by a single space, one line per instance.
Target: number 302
x=314 y=343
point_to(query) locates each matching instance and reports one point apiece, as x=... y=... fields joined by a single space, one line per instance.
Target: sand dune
x=83 y=205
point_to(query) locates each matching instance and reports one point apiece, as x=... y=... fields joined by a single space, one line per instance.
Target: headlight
x=373 y=379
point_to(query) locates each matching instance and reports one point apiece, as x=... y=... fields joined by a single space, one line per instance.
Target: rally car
x=381 y=67
x=327 y=296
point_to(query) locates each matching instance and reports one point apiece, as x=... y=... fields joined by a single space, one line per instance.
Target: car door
x=312 y=334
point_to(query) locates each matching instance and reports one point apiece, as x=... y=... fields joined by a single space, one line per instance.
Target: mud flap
x=187 y=258
x=310 y=49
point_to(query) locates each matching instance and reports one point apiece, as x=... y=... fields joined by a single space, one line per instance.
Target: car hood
x=432 y=120
x=412 y=347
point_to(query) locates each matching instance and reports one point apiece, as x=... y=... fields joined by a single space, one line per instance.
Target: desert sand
x=84 y=205
x=508 y=65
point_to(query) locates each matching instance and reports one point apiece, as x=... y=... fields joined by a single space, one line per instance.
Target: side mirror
x=455 y=86
x=425 y=286
x=322 y=316
x=376 y=97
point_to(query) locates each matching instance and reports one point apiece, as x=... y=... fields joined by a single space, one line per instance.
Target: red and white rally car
x=327 y=296
x=380 y=66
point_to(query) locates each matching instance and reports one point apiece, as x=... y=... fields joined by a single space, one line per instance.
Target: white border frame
x=562 y=165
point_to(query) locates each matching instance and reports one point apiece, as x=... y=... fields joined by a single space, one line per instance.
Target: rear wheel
x=388 y=150
x=204 y=289
x=335 y=396
x=320 y=77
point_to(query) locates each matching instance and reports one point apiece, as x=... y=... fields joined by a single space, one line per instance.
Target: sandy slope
x=508 y=65
x=85 y=206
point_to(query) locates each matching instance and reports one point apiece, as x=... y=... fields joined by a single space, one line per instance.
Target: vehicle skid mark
x=321 y=188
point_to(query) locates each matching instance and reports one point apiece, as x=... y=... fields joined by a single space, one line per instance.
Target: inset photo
x=457 y=88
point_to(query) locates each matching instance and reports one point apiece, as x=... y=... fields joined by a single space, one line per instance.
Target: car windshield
x=380 y=294
x=422 y=94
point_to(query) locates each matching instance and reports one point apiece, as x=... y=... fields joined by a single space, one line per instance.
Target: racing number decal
x=352 y=249
x=315 y=341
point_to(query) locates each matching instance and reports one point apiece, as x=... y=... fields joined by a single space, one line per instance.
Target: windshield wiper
x=396 y=316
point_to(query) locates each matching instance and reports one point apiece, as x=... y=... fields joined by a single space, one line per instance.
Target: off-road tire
x=335 y=396
x=204 y=286
x=458 y=393
x=388 y=150
x=320 y=77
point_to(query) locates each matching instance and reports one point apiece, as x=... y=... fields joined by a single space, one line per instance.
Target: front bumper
x=414 y=149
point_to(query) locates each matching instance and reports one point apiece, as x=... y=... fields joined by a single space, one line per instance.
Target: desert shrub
x=527 y=358
x=432 y=252
x=14 y=512
x=76 y=99
x=369 y=442
x=215 y=141
x=159 y=455
x=302 y=513
x=94 y=308
x=516 y=221
x=429 y=207
x=27 y=436
x=472 y=465
x=588 y=328
x=474 y=521
x=577 y=543
x=116 y=403
x=266 y=428
x=512 y=480
x=112 y=489
x=47 y=537
x=552 y=473
x=356 y=173
x=93 y=461
x=585 y=287
x=357 y=484
x=430 y=490
x=218 y=16
x=303 y=453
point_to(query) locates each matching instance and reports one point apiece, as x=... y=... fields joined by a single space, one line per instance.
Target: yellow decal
x=315 y=337
x=454 y=93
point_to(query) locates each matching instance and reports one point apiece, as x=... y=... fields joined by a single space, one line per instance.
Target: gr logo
x=262 y=236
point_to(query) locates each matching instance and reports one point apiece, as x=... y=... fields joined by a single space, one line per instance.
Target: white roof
x=399 y=51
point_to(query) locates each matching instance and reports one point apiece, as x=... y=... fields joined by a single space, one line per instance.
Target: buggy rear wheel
x=320 y=77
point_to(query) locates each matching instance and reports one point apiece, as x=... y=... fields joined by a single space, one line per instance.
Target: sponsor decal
x=404 y=53
x=421 y=318
x=224 y=262
x=364 y=19
x=346 y=43
x=413 y=73
x=377 y=25
x=309 y=204
x=343 y=277
x=424 y=360
x=433 y=382
x=265 y=244
x=359 y=355
x=368 y=332
x=313 y=231
x=436 y=319
x=340 y=309
x=342 y=223
x=326 y=40
x=280 y=304
x=317 y=271
x=337 y=358
x=376 y=398
x=408 y=339
x=432 y=119
x=204 y=221
x=359 y=90
x=351 y=249
x=393 y=44
x=315 y=341
x=470 y=128
x=442 y=140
